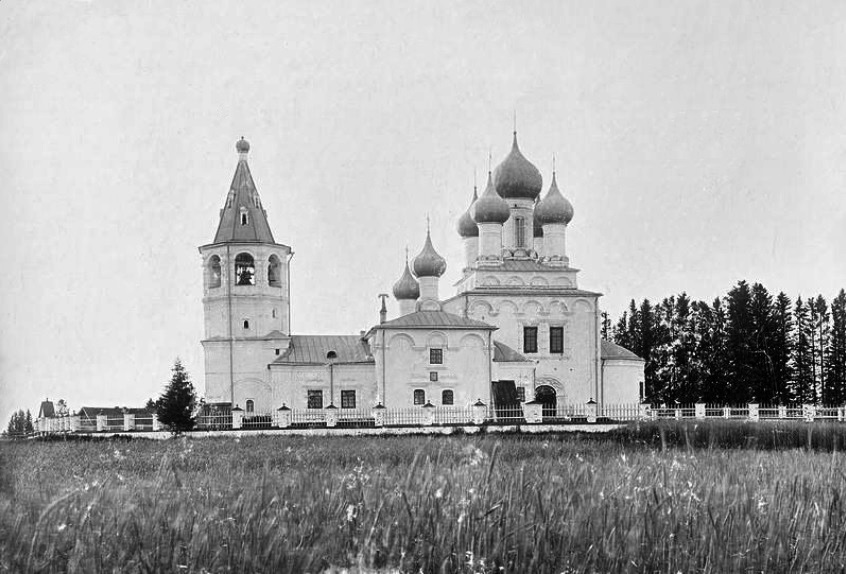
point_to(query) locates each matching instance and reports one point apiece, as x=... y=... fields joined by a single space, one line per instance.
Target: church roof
x=46 y=410
x=612 y=351
x=433 y=320
x=312 y=350
x=243 y=198
x=505 y=354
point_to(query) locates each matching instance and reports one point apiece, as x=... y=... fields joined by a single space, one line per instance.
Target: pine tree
x=762 y=374
x=740 y=334
x=821 y=327
x=28 y=428
x=606 y=326
x=836 y=354
x=175 y=407
x=781 y=348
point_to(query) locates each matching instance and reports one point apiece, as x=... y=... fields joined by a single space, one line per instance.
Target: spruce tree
x=740 y=334
x=781 y=348
x=801 y=362
x=836 y=353
x=175 y=407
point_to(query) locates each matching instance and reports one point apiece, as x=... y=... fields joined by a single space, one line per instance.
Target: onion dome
x=466 y=226
x=242 y=145
x=554 y=208
x=407 y=287
x=490 y=208
x=516 y=177
x=428 y=263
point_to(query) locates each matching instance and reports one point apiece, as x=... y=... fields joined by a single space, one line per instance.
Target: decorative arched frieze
x=582 y=306
x=437 y=339
x=400 y=340
x=558 y=307
x=515 y=282
x=562 y=281
x=507 y=306
x=532 y=307
x=539 y=282
x=472 y=340
x=490 y=281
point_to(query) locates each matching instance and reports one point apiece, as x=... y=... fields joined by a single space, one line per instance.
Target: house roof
x=612 y=351
x=243 y=198
x=433 y=320
x=312 y=350
x=505 y=354
x=91 y=412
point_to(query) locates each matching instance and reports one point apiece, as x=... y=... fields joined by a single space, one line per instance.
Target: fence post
x=699 y=410
x=753 y=412
x=643 y=411
x=237 y=417
x=331 y=416
x=782 y=411
x=840 y=414
x=479 y=412
x=591 y=411
x=378 y=415
x=726 y=412
x=533 y=412
x=809 y=411
x=157 y=426
x=428 y=414
x=283 y=417
x=128 y=421
x=677 y=413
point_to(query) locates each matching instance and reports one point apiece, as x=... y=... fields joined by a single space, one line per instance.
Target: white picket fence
x=430 y=415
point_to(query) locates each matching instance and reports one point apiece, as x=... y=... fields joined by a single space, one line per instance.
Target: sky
x=700 y=142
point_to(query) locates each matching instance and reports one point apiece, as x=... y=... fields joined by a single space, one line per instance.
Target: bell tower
x=246 y=291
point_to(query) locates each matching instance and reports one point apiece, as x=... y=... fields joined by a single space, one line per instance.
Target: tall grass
x=440 y=504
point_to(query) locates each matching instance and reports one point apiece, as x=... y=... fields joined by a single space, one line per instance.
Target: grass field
x=440 y=504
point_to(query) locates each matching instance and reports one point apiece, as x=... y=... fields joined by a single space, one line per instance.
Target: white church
x=517 y=328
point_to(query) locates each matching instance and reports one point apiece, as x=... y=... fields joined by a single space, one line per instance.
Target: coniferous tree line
x=20 y=424
x=748 y=346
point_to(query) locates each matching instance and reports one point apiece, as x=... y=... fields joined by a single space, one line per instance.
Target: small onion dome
x=490 y=208
x=554 y=208
x=466 y=226
x=428 y=263
x=407 y=287
x=516 y=177
x=242 y=146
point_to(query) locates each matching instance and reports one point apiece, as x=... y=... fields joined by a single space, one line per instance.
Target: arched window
x=214 y=272
x=246 y=324
x=419 y=396
x=447 y=398
x=251 y=406
x=245 y=218
x=245 y=269
x=520 y=231
x=273 y=313
x=274 y=272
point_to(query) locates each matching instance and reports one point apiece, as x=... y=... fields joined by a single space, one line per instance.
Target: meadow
x=658 y=497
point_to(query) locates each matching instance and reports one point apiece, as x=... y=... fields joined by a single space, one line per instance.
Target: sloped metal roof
x=312 y=350
x=433 y=320
x=505 y=354
x=243 y=196
x=612 y=351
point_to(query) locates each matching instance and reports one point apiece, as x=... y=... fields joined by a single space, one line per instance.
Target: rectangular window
x=521 y=394
x=436 y=356
x=419 y=396
x=530 y=339
x=347 y=399
x=447 y=398
x=315 y=399
x=433 y=376
x=556 y=339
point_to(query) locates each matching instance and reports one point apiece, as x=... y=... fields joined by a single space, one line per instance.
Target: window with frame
x=245 y=269
x=436 y=356
x=521 y=394
x=447 y=398
x=347 y=399
x=530 y=339
x=556 y=339
x=520 y=231
x=433 y=376
x=251 y=406
x=419 y=396
x=315 y=399
x=244 y=217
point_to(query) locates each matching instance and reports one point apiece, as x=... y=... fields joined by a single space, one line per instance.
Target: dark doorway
x=545 y=395
x=506 y=400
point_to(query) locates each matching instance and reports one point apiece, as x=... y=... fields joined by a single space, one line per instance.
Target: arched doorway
x=545 y=395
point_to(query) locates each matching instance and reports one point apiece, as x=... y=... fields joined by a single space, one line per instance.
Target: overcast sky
x=699 y=142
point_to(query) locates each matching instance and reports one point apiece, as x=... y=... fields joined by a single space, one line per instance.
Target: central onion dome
x=466 y=226
x=428 y=263
x=490 y=208
x=407 y=287
x=554 y=207
x=242 y=145
x=516 y=177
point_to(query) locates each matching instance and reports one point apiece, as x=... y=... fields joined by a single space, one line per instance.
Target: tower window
x=245 y=218
x=447 y=398
x=520 y=231
x=436 y=356
x=274 y=268
x=214 y=272
x=419 y=396
x=347 y=399
x=530 y=339
x=277 y=351
x=245 y=269
x=246 y=323
x=251 y=406
x=433 y=376
x=556 y=339
x=273 y=313
x=315 y=399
